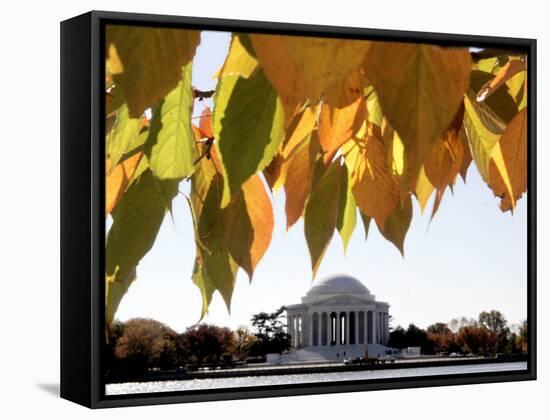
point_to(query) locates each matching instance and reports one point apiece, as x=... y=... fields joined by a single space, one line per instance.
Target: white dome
x=340 y=284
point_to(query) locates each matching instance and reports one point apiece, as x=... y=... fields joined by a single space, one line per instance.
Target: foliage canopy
x=343 y=126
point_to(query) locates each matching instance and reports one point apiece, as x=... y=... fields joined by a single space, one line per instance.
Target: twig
x=202 y=94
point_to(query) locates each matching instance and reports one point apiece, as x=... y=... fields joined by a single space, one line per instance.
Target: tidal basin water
x=239 y=382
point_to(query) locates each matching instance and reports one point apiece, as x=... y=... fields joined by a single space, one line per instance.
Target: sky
x=471 y=257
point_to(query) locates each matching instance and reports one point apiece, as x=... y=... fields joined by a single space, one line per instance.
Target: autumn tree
x=477 y=339
x=442 y=339
x=522 y=337
x=208 y=344
x=496 y=323
x=244 y=343
x=345 y=127
x=143 y=344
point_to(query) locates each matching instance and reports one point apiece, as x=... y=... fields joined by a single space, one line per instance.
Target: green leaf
x=477 y=118
x=136 y=222
x=397 y=224
x=115 y=291
x=347 y=217
x=121 y=137
x=321 y=214
x=248 y=224
x=146 y=62
x=500 y=101
x=218 y=267
x=171 y=146
x=248 y=126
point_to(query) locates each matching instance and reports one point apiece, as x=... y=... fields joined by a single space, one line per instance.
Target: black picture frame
x=82 y=208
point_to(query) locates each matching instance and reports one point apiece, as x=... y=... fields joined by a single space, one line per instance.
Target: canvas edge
x=93 y=278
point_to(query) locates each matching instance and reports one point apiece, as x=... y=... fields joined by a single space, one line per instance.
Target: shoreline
x=303 y=368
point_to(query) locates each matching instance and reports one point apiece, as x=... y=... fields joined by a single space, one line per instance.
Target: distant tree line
x=141 y=345
x=488 y=335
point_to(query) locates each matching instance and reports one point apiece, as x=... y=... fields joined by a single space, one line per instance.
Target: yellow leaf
x=445 y=159
x=513 y=158
x=299 y=180
x=240 y=61
x=146 y=62
x=303 y=68
x=467 y=159
x=299 y=128
x=249 y=224
x=423 y=189
x=342 y=113
x=420 y=88
x=374 y=188
x=483 y=130
x=118 y=179
x=510 y=69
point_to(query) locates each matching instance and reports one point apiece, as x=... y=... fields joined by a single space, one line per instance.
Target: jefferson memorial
x=337 y=318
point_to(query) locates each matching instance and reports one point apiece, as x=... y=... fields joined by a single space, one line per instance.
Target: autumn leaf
x=374 y=188
x=397 y=224
x=118 y=179
x=302 y=68
x=299 y=179
x=301 y=126
x=171 y=146
x=240 y=60
x=124 y=132
x=423 y=189
x=347 y=209
x=205 y=123
x=420 y=88
x=218 y=266
x=248 y=127
x=513 y=147
x=467 y=159
x=249 y=224
x=445 y=159
x=136 y=222
x=342 y=113
x=477 y=118
x=437 y=201
x=146 y=62
x=321 y=214
x=511 y=68
x=366 y=223
x=500 y=103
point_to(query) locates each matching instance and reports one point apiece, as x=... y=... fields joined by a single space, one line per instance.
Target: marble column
x=320 y=329
x=356 y=326
x=337 y=332
x=290 y=326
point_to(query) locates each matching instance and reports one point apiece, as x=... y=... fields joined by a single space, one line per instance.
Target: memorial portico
x=338 y=311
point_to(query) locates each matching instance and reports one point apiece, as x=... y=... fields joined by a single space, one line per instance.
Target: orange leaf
x=374 y=187
x=301 y=67
x=299 y=128
x=513 y=144
x=510 y=69
x=299 y=180
x=420 y=89
x=249 y=224
x=342 y=113
x=205 y=122
x=118 y=179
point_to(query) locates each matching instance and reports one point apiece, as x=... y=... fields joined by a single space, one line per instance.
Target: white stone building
x=338 y=317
